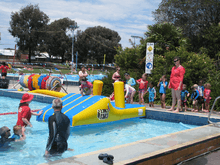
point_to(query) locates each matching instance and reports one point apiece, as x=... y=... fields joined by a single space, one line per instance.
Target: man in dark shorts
x=59 y=130
x=5 y=133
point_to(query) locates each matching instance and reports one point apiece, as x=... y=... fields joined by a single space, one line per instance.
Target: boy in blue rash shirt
x=130 y=81
x=194 y=97
x=152 y=94
x=184 y=94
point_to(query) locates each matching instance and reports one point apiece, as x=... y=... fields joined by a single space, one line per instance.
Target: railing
x=210 y=122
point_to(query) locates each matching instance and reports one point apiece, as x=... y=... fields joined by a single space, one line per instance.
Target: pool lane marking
x=77 y=104
x=51 y=106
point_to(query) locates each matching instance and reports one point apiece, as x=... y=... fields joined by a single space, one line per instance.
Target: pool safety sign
x=149 y=57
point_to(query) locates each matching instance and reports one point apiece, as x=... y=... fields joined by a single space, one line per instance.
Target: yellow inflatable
x=50 y=93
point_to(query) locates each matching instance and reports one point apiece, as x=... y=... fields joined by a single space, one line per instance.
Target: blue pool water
x=82 y=139
x=91 y=78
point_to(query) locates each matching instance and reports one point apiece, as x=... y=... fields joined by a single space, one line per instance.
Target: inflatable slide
x=92 y=109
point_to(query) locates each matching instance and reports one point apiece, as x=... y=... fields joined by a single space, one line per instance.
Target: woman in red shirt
x=24 y=111
x=4 y=69
x=176 y=83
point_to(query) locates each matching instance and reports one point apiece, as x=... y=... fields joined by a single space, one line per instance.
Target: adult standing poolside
x=116 y=76
x=176 y=83
x=4 y=69
x=82 y=74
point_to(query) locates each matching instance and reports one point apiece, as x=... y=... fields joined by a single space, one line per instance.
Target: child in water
x=184 y=94
x=86 y=87
x=18 y=133
x=152 y=94
x=207 y=92
x=142 y=87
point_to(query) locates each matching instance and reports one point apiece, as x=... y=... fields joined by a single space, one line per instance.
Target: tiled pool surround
x=166 y=149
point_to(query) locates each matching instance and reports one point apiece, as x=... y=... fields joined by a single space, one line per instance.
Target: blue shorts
x=151 y=99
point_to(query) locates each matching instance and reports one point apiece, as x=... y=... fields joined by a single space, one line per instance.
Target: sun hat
x=26 y=98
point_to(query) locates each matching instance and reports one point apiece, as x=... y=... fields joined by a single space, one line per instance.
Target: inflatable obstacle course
x=36 y=81
x=92 y=109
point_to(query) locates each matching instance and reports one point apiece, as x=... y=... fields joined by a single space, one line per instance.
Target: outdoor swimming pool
x=91 y=78
x=82 y=140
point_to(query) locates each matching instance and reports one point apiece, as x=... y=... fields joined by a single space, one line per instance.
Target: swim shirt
x=207 y=94
x=151 y=91
x=4 y=68
x=23 y=112
x=131 y=82
x=201 y=90
x=16 y=137
x=143 y=83
x=162 y=89
x=184 y=94
x=195 y=95
x=87 y=87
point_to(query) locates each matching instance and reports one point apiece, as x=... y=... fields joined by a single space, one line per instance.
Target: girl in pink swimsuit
x=207 y=97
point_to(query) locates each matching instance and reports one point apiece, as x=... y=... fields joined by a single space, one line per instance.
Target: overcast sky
x=127 y=17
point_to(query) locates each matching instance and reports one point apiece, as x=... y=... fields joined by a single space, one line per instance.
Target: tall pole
x=76 y=60
x=134 y=39
x=73 y=27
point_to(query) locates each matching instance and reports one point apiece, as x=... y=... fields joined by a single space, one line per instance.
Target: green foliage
x=192 y=16
x=211 y=40
x=214 y=79
x=27 y=25
x=94 y=42
x=57 y=43
x=164 y=35
x=129 y=58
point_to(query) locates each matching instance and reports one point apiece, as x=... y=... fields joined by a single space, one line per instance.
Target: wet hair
x=57 y=103
x=3 y=130
x=177 y=58
x=16 y=128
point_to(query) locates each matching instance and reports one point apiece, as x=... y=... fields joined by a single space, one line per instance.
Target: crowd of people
x=59 y=127
x=180 y=96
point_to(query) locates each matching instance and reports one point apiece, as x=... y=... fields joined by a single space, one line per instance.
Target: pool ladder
x=210 y=122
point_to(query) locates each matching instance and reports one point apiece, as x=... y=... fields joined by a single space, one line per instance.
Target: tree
x=94 y=42
x=211 y=41
x=26 y=26
x=57 y=42
x=192 y=16
x=129 y=58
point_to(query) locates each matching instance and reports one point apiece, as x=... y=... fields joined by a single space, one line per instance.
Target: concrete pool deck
x=166 y=149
